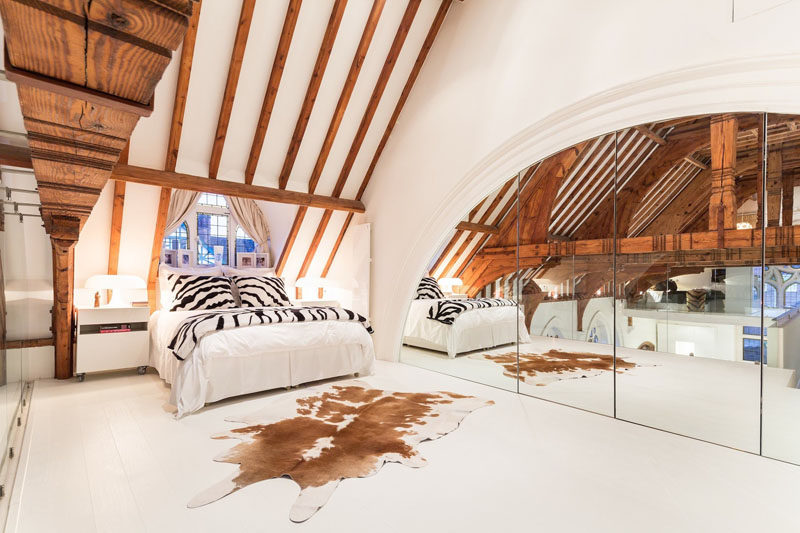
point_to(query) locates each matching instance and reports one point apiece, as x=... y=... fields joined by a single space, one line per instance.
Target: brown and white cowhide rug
x=340 y=431
x=540 y=369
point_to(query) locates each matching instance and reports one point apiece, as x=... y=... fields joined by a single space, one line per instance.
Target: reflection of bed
x=257 y=358
x=472 y=330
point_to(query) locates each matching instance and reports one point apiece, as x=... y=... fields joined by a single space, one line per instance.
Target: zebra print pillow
x=429 y=289
x=197 y=293
x=260 y=291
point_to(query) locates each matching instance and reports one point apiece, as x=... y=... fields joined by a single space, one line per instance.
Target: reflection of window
x=178 y=239
x=770 y=295
x=791 y=294
x=753 y=330
x=751 y=350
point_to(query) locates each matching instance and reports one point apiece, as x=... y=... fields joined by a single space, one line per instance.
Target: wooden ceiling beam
x=85 y=73
x=478 y=228
x=232 y=81
x=318 y=73
x=650 y=134
x=693 y=161
x=177 y=180
x=278 y=63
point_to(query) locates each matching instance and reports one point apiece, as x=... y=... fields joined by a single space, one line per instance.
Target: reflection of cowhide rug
x=342 y=431
x=555 y=365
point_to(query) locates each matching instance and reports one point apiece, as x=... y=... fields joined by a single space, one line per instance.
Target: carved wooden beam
x=81 y=95
x=722 y=206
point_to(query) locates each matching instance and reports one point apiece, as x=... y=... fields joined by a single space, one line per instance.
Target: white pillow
x=231 y=272
x=165 y=270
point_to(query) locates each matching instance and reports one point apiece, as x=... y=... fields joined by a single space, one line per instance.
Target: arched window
x=178 y=239
x=770 y=295
x=791 y=295
x=213 y=227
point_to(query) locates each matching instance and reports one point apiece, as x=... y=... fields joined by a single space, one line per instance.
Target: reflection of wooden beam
x=176 y=180
x=479 y=228
x=28 y=343
x=788 y=198
x=692 y=161
x=15 y=156
x=651 y=135
x=722 y=205
x=733 y=241
x=774 y=184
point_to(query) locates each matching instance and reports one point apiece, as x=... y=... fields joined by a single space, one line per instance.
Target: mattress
x=256 y=358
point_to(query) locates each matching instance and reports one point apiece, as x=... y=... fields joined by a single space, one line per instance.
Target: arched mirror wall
x=652 y=274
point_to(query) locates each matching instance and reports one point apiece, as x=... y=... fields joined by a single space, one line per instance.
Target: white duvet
x=256 y=358
x=472 y=330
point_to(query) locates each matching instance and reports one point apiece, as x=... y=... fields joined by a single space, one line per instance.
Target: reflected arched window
x=791 y=295
x=770 y=295
x=178 y=239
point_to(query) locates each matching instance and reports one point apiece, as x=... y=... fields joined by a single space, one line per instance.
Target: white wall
x=508 y=83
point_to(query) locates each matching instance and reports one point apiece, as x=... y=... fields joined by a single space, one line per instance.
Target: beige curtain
x=180 y=203
x=251 y=218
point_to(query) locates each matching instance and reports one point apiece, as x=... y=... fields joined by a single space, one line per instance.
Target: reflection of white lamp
x=312 y=283
x=117 y=284
x=447 y=284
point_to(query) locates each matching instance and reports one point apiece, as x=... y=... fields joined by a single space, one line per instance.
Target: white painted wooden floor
x=106 y=455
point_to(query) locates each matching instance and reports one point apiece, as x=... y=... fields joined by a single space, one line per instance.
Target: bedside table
x=318 y=303
x=111 y=338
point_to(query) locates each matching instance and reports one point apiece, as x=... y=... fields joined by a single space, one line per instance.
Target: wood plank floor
x=106 y=455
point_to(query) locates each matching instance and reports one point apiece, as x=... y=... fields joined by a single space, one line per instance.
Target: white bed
x=472 y=330
x=251 y=359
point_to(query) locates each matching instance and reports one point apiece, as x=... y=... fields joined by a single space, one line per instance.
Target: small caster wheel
x=81 y=377
x=142 y=370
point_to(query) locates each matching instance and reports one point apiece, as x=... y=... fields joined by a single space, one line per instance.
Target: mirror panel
x=685 y=274
x=779 y=282
x=477 y=260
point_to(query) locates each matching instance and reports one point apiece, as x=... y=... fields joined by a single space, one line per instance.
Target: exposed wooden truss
x=660 y=191
x=80 y=106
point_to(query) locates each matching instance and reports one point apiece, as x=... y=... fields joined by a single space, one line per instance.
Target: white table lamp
x=118 y=284
x=447 y=284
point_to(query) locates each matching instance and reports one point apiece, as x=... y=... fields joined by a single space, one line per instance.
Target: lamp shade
x=107 y=281
x=117 y=284
x=312 y=283
x=447 y=284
